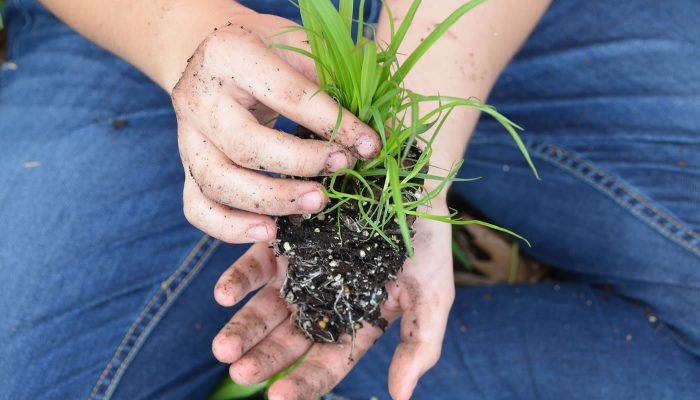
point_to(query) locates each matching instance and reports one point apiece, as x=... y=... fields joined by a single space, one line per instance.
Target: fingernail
x=312 y=201
x=337 y=160
x=366 y=147
x=258 y=232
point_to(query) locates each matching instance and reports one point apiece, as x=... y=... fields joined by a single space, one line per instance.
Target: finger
x=324 y=366
x=230 y=226
x=422 y=330
x=250 y=272
x=250 y=325
x=239 y=135
x=228 y=184
x=270 y=34
x=277 y=85
x=274 y=354
x=240 y=60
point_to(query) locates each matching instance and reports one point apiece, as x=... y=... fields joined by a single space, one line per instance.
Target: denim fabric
x=107 y=290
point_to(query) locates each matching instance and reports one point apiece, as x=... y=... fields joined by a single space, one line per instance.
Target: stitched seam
x=171 y=294
x=138 y=324
x=550 y=152
x=686 y=243
x=140 y=317
x=158 y=316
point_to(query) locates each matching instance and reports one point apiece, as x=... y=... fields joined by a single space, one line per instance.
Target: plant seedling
x=341 y=259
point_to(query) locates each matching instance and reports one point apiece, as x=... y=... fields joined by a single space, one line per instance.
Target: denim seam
x=613 y=187
x=150 y=316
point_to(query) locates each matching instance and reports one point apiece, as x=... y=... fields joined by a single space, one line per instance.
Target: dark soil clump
x=336 y=280
x=337 y=270
x=120 y=123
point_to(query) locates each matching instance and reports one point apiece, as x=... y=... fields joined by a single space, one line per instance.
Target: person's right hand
x=232 y=90
x=262 y=338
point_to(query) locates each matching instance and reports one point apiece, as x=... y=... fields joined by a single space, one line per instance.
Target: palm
x=262 y=340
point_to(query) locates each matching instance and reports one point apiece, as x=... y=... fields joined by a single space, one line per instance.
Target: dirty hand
x=231 y=92
x=261 y=339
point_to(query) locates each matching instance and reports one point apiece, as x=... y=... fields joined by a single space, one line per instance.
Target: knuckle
x=249 y=369
x=190 y=215
x=211 y=47
x=206 y=180
x=181 y=95
x=233 y=39
x=304 y=166
x=433 y=355
x=294 y=96
x=242 y=151
x=189 y=208
x=202 y=178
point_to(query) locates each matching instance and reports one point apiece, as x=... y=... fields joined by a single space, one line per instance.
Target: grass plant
x=366 y=77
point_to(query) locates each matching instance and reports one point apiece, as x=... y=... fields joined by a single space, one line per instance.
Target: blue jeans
x=107 y=290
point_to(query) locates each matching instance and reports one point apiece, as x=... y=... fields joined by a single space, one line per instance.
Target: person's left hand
x=261 y=339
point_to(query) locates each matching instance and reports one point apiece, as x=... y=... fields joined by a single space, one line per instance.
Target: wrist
x=439 y=202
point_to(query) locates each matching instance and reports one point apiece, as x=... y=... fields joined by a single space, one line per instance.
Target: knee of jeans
x=592 y=225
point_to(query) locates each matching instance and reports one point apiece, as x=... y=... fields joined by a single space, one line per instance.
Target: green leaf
x=395 y=188
x=367 y=79
x=400 y=34
x=461 y=257
x=360 y=21
x=229 y=390
x=433 y=37
x=346 y=8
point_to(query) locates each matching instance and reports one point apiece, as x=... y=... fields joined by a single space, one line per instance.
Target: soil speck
x=120 y=123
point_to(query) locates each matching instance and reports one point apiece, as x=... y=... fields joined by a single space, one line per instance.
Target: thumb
x=422 y=331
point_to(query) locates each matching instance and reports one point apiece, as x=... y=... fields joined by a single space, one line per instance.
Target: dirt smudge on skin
x=322 y=381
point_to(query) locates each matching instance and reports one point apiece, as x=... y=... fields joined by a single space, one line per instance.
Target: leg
x=549 y=341
x=614 y=132
x=609 y=98
x=108 y=289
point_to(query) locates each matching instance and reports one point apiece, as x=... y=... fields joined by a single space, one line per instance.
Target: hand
x=261 y=339
x=226 y=101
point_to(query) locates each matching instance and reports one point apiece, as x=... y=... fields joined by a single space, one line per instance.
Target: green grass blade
x=452 y=221
x=229 y=390
x=433 y=37
x=368 y=79
x=461 y=257
x=360 y=21
x=390 y=16
x=346 y=9
x=397 y=204
x=398 y=37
